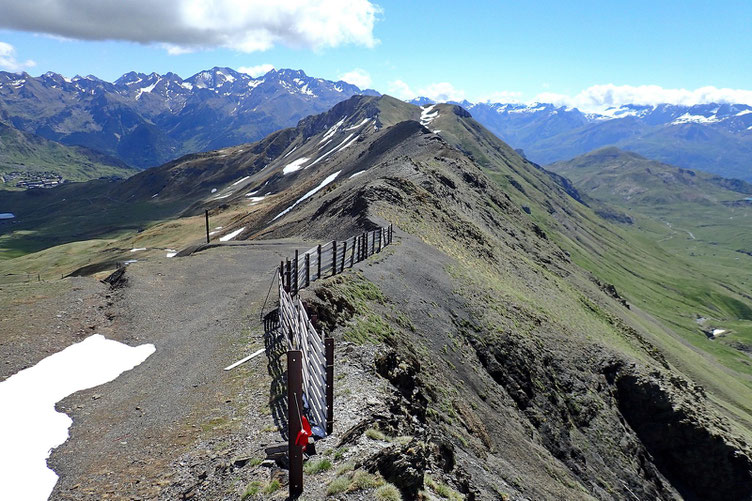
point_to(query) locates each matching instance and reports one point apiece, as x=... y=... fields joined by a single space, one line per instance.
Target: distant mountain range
x=146 y=120
x=715 y=138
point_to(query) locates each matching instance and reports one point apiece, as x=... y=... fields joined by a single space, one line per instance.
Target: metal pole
x=352 y=254
x=318 y=251
x=307 y=269
x=294 y=404
x=206 y=213
x=344 y=254
x=287 y=276
x=381 y=234
x=329 y=347
x=334 y=257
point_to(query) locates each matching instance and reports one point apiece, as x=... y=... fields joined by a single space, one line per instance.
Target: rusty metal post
x=329 y=347
x=318 y=273
x=344 y=254
x=294 y=410
x=334 y=257
x=352 y=255
x=206 y=213
x=307 y=269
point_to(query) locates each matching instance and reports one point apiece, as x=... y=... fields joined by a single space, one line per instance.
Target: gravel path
x=202 y=313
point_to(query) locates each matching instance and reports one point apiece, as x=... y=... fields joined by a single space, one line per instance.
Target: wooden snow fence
x=332 y=258
x=310 y=358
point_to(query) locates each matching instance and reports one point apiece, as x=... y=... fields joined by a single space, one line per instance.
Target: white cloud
x=600 y=97
x=256 y=71
x=8 y=61
x=439 y=92
x=358 y=77
x=400 y=89
x=188 y=25
x=504 y=96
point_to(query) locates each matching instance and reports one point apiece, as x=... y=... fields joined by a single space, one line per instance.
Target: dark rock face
x=698 y=463
x=403 y=466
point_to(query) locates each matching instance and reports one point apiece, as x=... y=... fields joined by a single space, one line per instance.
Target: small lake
x=30 y=427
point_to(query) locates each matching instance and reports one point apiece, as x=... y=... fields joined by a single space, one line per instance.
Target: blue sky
x=499 y=50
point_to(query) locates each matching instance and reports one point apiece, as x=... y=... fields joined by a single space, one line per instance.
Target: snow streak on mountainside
x=146 y=120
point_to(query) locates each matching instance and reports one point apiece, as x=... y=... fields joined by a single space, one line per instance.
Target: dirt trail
x=202 y=313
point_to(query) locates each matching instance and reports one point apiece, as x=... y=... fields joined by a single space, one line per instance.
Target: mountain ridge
x=715 y=137
x=146 y=120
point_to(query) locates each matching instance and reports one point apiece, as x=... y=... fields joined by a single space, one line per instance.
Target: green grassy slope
x=30 y=155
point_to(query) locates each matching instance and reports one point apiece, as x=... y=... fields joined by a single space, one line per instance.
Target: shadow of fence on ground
x=276 y=349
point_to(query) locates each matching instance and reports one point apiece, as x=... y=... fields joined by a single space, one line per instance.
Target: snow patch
x=332 y=130
x=289 y=152
x=361 y=124
x=697 y=119
x=240 y=180
x=308 y=195
x=357 y=174
x=294 y=166
x=171 y=252
x=30 y=427
x=147 y=89
x=232 y=235
x=214 y=190
x=137 y=249
x=7 y=215
x=427 y=115
x=743 y=112
x=340 y=146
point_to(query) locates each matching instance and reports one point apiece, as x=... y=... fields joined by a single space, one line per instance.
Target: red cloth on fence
x=304 y=434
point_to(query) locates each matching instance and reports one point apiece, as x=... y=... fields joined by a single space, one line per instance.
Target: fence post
x=334 y=257
x=381 y=234
x=318 y=273
x=373 y=242
x=307 y=269
x=329 y=347
x=390 y=233
x=296 y=275
x=352 y=254
x=344 y=254
x=287 y=276
x=364 y=245
x=206 y=213
x=294 y=410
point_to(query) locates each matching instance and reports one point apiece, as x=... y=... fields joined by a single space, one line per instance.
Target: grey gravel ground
x=202 y=313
